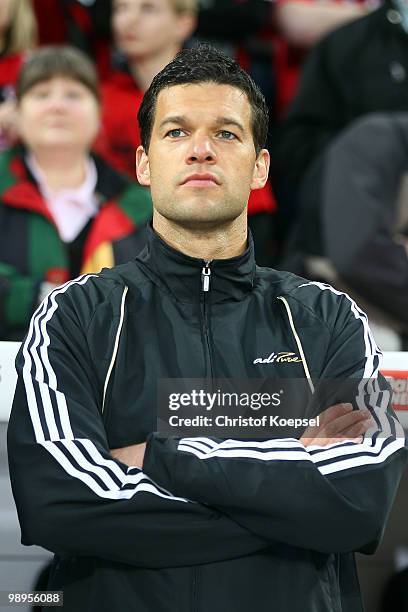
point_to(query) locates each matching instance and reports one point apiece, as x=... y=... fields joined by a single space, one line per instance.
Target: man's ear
x=261 y=170
x=142 y=167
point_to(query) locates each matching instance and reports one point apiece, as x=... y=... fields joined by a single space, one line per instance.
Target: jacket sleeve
x=360 y=201
x=328 y=499
x=72 y=497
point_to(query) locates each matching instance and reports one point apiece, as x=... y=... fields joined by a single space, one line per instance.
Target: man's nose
x=201 y=150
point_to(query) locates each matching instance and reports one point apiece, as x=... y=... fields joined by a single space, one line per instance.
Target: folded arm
x=305 y=493
x=73 y=498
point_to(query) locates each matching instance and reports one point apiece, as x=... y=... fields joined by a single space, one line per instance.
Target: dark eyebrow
x=229 y=121
x=174 y=119
x=220 y=121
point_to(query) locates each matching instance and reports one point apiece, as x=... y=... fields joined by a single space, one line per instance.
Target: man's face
x=146 y=28
x=201 y=164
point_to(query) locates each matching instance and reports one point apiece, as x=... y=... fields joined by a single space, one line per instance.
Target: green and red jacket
x=31 y=250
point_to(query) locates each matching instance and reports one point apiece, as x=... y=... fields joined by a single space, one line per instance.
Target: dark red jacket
x=9 y=69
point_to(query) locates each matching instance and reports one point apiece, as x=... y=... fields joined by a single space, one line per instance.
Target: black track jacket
x=209 y=525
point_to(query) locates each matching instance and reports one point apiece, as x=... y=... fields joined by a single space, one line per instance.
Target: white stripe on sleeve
x=95 y=471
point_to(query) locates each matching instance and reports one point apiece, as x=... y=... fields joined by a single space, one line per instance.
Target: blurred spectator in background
x=304 y=22
x=365 y=219
x=18 y=34
x=147 y=35
x=360 y=68
x=81 y=23
x=242 y=29
x=300 y=25
x=61 y=208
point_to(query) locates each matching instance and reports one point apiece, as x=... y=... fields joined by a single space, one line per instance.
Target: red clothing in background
x=9 y=69
x=120 y=134
x=71 y=23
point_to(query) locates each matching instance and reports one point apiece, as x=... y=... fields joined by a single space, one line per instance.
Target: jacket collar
x=23 y=191
x=182 y=276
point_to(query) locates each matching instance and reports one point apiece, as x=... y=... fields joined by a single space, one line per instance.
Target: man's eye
x=225 y=135
x=176 y=133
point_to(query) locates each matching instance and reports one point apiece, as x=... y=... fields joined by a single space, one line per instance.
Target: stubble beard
x=220 y=214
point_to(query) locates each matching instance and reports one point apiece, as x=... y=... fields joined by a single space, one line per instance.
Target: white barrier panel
x=394 y=367
x=8 y=377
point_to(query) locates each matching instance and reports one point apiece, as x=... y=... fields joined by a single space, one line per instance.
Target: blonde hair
x=185 y=6
x=22 y=31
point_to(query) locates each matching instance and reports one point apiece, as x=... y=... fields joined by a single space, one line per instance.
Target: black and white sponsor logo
x=281 y=357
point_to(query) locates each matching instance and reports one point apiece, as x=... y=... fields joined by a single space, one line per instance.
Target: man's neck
x=145 y=69
x=221 y=242
x=61 y=171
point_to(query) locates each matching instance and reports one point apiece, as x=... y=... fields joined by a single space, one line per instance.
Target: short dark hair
x=204 y=64
x=59 y=60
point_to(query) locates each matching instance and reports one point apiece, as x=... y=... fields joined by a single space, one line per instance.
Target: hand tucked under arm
x=131 y=456
x=338 y=423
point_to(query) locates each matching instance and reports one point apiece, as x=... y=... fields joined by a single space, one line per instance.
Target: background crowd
x=335 y=77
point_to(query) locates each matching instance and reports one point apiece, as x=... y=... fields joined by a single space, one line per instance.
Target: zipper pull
x=205 y=276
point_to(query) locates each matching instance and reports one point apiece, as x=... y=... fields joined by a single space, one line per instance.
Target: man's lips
x=201 y=180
